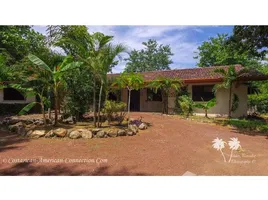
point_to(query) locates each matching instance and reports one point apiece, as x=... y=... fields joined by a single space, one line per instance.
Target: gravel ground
x=171 y=146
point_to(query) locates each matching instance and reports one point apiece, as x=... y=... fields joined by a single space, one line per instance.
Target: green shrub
x=186 y=105
x=115 y=111
x=260 y=101
x=251 y=125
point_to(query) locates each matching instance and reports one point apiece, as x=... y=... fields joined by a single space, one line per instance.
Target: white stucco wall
x=222 y=97
x=27 y=100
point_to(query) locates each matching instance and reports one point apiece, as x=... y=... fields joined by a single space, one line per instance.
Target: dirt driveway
x=171 y=146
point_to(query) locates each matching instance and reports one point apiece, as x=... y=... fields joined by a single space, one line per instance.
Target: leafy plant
x=206 y=105
x=186 y=104
x=115 y=111
x=235 y=103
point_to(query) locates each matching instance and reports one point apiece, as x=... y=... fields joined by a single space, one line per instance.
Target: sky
x=183 y=40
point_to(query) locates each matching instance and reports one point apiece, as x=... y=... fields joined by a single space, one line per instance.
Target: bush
x=258 y=101
x=252 y=125
x=186 y=105
x=115 y=111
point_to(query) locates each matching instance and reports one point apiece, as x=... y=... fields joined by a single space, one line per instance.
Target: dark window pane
x=202 y=92
x=152 y=96
x=12 y=94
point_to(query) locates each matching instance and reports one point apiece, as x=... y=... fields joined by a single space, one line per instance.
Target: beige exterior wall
x=222 y=106
x=27 y=100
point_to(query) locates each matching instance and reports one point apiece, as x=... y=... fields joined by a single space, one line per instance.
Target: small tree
x=131 y=81
x=229 y=77
x=186 y=104
x=165 y=85
x=206 y=105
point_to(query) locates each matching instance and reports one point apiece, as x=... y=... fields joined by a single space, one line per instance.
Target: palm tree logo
x=219 y=145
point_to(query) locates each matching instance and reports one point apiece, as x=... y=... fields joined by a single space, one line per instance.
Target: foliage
x=218 y=51
x=252 y=38
x=165 y=85
x=260 y=101
x=186 y=105
x=206 y=105
x=153 y=57
x=115 y=111
x=235 y=103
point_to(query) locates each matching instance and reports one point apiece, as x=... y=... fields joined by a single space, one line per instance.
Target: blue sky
x=183 y=40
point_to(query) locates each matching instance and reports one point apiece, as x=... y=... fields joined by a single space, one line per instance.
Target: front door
x=135 y=100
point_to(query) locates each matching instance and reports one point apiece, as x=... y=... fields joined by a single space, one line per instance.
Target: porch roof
x=200 y=74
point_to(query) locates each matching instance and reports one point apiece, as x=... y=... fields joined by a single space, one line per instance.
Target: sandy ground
x=171 y=146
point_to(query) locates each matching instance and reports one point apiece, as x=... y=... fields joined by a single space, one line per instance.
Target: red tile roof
x=200 y=74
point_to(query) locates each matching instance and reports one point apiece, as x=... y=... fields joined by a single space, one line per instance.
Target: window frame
x=157 y=95
x=202 y=96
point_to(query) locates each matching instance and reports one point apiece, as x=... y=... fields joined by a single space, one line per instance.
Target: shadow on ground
x=29 y=169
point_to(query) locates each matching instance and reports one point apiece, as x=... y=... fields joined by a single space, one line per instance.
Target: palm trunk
x=94 y=101
x=128 y=112
x=206 y=113
x=230 y=102
x=99 y=106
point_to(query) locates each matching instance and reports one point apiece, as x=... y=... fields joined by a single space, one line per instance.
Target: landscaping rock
x=101 y=134
x=112 y=133
x=21 y=131
x=130 y=132
x=50 y=134
x=36 y=133
x=133 y=128
x=75 y=134
x=121 y=133
x=12 y=120
x=95 y=131
x=14 y=128
x=69 y=120
x=143 y=126
x=86 y=134
x=60 y=132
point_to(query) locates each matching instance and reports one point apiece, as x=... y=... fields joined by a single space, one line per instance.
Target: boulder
x=112 y=133
x=101 y=134
x=50 y=134
x=36 y=133
x=21 y=131
x=75 y=134
x=14 y=127
x=60 y=132
x=121 y=133
x=133 y=128
x=69 y=120
x=130 y=132
x=12 y=120
x=143 y=126
x=87 y=134
x=95 y=130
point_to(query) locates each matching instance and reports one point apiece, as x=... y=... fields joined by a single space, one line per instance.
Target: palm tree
x=52 y=78
x=131 y=81
x=165 y=85
x=206 y=105
x=229 y=77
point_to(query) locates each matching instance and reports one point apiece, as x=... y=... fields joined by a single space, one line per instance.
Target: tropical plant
x=229 y=75
x=186 y=105
x=52 y=78
x=131 y=81
x=165 y=85
x=206 y=105
x=114 y=110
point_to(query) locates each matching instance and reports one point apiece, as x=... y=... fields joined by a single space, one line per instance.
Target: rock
x=143 y=126
x=14 y=128
x=21 y=131
x=50 y=134
x=69 y=120
x=86 y=134
x=60 y=132
x=121 y=133
x=101 y=134
x=130 y=132
x=95 y=131
x=75 y=134
x=36 y=133
x=112 y=133
x=133 y=128
x=12 y=120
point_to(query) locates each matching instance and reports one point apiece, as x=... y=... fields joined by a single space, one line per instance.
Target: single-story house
x=199 y=83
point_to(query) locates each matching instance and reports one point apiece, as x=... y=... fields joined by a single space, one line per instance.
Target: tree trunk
x=206 y=113
x=230 y=102
x=43 y=113
x=94 y=101
x=49 y=113
x=56 y=107
x=99 y=106
x=128 y=112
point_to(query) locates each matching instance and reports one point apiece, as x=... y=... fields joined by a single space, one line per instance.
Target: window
x=12 y=94
x=152 y=96
x=202 y=92
x=114 y=96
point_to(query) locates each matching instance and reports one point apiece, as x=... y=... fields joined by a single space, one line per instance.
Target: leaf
x=37 y=61
x=27 y=108
x=70 y=66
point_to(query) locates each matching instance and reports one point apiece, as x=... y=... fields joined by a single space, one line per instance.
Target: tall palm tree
x=52 y=78
x=165 y=85
x=229 y=75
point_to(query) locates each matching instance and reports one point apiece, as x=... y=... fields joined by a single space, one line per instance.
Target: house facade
x=199 y=84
